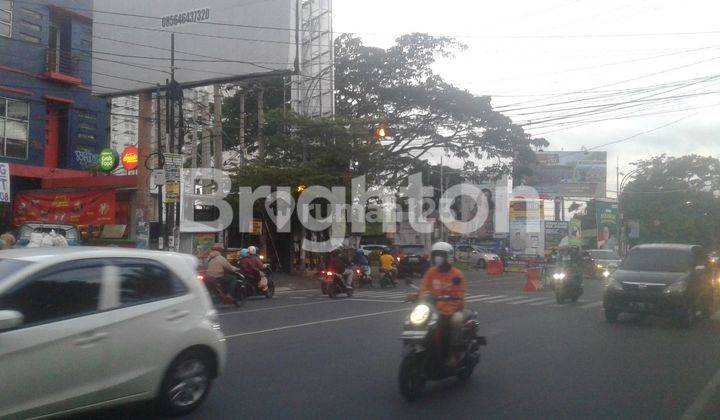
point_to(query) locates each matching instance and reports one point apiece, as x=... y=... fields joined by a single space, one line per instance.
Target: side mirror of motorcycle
x=456 y=281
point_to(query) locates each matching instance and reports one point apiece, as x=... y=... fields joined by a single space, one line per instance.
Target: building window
x=33 y=14
x=14 y=116
x=28 y=38
x=6 y=18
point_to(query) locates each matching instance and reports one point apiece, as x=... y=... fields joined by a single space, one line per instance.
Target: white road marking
x=283 y=292
x=507 y=299
x=306 y=324
x=375 y=300
x=522 y=302
x=486 y=298
x=592 y=305
x=697 y=407
x=543 y=302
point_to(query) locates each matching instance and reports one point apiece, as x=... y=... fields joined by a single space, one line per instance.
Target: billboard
x=569 y=174
x=556 y=235
x=215 y=41
x=95 y=208
x=606 y=217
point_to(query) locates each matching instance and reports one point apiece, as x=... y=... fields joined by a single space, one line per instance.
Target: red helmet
x=218 y=247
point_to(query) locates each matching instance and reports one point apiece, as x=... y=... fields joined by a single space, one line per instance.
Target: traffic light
x=380 y=132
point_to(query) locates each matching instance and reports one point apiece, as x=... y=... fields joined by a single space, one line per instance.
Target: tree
x=675 y=199
x=425 y=114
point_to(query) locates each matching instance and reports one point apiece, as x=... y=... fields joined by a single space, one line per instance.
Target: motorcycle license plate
x=640 y=306
x=413 y=259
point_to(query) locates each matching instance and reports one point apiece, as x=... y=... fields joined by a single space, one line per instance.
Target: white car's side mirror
x=10 y=320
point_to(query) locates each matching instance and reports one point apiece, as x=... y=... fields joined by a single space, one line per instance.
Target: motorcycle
x=362 y=279
x=387 y=280
x=219 y=293
x=333 y=284
x=422 y=361
x=568 y=284
x=250 y=287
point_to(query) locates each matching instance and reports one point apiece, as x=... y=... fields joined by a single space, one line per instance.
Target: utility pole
x=241 y=128
x=261 y=123
x=217 y=125
x=442 y=193
x=159 y=151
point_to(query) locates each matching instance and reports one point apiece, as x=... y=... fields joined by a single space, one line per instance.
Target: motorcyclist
x=337 y=262
x=219 y=269
x=444 y=280
x=361 y=260
x=252 y=267
x=387 y=264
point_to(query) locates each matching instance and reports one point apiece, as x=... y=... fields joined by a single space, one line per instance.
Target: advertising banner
x=95 y=208
x=526 y=235
x=606 y=218
x=575 y=236
x=556 y=235
x=569 y=174
x=5 y=183
x=173 y=168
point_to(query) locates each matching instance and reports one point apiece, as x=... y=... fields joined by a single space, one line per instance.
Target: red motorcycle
x=218 y=292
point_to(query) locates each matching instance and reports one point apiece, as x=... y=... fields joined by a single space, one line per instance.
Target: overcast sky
x=528 y=54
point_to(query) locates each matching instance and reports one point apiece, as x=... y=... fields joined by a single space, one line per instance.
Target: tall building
x=124 y=122
x=50 y=120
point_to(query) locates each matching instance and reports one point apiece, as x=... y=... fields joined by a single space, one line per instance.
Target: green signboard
x=108 y=160
x=606 y=217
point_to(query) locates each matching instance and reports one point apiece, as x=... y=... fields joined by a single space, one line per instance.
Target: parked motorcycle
x=422 y=361
x=333 y=284
x=568 y=284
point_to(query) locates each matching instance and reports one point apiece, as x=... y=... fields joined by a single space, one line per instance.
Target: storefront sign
x=79 y=208
x=4 y=183
x=130 y=158
x=108 y=160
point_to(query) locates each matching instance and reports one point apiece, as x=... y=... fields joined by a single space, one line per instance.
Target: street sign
x=173 y=168
x=4 y=183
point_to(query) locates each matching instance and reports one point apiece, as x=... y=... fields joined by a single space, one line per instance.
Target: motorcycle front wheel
x=410 y=379
x=270 y=292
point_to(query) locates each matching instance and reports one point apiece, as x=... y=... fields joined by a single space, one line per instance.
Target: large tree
x=675 y=199
x=397 y=87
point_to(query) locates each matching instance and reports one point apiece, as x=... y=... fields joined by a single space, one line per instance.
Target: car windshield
x=10 y=266
x=412 y=249
x=659 y=260
x=604 y=254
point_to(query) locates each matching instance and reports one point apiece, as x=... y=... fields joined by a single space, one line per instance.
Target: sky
x=640 y=73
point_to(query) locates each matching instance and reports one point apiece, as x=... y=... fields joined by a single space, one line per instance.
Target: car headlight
x=420 y=314
x=677 y=287
x=559 y=276
x=606 y=274
x=613 y=284
x=599 y=266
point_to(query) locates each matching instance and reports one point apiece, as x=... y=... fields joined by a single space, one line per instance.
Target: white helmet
x=442 y=247
x=252 y=250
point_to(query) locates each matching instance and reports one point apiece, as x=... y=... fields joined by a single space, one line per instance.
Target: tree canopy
x=676 y=199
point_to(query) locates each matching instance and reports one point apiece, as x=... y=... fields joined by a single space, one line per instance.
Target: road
x=302 y=355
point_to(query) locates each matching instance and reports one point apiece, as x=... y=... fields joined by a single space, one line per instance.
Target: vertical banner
x=5 y=183
x=575 y=237
x=526 y=235
x=606 y=218
x=173 y=169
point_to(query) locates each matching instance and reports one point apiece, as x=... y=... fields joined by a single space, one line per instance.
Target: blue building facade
x=49 y=120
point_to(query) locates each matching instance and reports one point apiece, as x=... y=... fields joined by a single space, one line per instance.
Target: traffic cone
x=533 y=283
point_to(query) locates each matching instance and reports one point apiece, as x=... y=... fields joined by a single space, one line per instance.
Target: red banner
x=76 y=208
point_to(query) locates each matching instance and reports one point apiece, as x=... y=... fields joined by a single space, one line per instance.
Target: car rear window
x=604 y=254
x=661 y=260
x=10 y=266
x=412 y=249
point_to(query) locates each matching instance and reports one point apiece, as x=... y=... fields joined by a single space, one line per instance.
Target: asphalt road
x=302 y=355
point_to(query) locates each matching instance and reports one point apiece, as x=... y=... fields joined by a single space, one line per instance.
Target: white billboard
x=215 y=41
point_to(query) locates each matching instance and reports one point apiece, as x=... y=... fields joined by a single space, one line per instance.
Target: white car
x=88 y=328
x=474 y=255
x=368 y=249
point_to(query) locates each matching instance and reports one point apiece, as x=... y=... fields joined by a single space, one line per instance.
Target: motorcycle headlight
x=420 y=314
x=600 y=266
x=606 y=274
x=613 y=284
x=559 y=276
x=677 y=287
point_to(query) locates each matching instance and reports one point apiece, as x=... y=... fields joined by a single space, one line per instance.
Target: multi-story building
x=52 y=128
x=124 y=122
